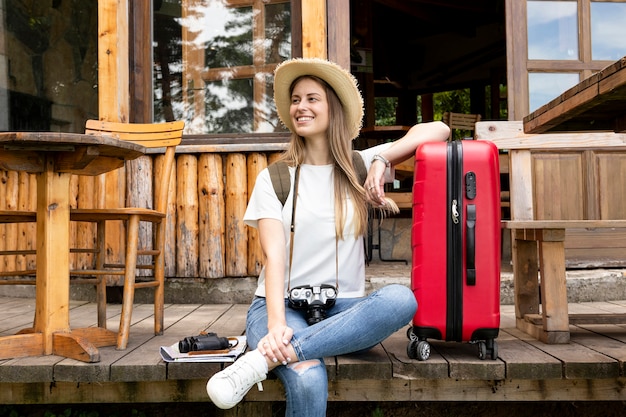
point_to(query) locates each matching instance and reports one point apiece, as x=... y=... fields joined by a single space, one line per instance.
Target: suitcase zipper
x=454 y=273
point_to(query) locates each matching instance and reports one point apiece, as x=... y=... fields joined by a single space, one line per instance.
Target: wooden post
x=113 y=60
x=314 y=29
x=236 y=201
x=187 y=216
x=211 y=214
x=113 y=102
x=256 y=163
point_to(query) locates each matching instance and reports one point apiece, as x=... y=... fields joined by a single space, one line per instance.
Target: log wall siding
x=206 y=237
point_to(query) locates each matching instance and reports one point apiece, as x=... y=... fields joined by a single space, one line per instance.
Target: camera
x=209 y=341
x=315 y=299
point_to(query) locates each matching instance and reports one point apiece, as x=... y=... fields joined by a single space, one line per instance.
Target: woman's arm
x=401 y=150
x=272 y=238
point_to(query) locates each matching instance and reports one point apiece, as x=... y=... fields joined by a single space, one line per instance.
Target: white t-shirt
x=314 y=252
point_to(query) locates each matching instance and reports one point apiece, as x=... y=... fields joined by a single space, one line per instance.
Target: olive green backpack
x=279 y=174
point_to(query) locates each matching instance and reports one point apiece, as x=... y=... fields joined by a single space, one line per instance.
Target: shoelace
x=245 y=378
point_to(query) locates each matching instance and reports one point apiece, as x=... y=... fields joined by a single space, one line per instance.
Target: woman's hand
x=374 y=184
x=274 y=345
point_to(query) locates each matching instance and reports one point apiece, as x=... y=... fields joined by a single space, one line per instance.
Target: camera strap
x=292 y=229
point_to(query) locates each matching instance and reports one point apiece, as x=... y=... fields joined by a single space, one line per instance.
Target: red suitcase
x=456 y=246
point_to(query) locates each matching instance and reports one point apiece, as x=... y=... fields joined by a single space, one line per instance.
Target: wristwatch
x=382 y=159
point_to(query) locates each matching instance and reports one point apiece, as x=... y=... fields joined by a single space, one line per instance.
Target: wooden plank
x=211 y=318
x=373 y=364
x=578 y=361
x=563 y=224
x=144 y=363
x=141 y=331
x=510 y=135
x=344 y=390
x=465 y=364
x=436 y=367
x=523 y=361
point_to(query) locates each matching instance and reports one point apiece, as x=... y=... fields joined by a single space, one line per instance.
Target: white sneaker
x=228 y=387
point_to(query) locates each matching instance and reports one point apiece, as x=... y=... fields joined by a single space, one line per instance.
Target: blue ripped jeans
x=353 y=324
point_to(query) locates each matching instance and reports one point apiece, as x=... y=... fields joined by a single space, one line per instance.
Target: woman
x=319 y=102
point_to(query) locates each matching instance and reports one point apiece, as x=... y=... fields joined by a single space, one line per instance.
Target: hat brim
x=342 y=82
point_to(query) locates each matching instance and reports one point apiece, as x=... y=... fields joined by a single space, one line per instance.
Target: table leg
x=52 y=293
x=52 y=290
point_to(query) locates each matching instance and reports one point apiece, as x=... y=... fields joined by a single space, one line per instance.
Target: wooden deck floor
x=591 y=367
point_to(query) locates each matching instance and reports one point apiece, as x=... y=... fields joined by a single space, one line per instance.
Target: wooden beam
x=113 y=64
x=339 y=32
x=314 y=29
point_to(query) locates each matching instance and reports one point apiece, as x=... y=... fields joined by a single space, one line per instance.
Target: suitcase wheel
x=418 y=349
x=489 y=347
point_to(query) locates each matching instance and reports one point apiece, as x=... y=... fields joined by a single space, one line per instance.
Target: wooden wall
x=206 y=237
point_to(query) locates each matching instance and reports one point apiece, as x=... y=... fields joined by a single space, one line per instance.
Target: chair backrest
x=460 y=121
x=151 y=135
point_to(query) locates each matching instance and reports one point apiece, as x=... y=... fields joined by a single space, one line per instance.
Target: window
x=608 y=31
x=557 y=43
x=552 y=30
x=543 y=87
x=216 y=73
x=48 y=65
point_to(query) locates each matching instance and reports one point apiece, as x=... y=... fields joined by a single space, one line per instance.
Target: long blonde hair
x=346 y=180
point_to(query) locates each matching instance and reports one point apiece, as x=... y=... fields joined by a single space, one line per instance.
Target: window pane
x=229 y=106
x=228 y=33
x=543 y=87
x=268 y=117
x=552 y=30
x=608 y=30
x=48 y=65
x=214 y=63
x=277 y=32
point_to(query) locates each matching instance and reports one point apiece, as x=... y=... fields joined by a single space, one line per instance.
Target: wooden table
x=596 y=103
x=54 y=157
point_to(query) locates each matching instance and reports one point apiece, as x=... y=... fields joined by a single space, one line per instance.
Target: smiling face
x=309 y=109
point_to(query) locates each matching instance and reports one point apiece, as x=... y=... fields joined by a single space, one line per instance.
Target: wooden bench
x=568 y=206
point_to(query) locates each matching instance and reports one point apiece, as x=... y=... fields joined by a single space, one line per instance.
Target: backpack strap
x=281 y=181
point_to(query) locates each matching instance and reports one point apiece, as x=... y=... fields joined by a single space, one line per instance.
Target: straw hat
x=344 y=84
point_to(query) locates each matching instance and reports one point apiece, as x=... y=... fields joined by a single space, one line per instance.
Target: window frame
x=196 y=76
x=519 y=66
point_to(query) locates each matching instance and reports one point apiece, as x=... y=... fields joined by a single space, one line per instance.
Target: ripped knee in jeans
x=301 y=367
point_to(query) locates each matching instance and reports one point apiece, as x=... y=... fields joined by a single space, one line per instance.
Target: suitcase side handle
x=470 y=252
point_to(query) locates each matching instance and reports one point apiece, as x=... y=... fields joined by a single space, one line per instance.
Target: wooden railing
x=206 y=237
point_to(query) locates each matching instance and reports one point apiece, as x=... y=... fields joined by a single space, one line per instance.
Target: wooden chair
x=161 y=135
x=460 y=121
x=9 y=274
